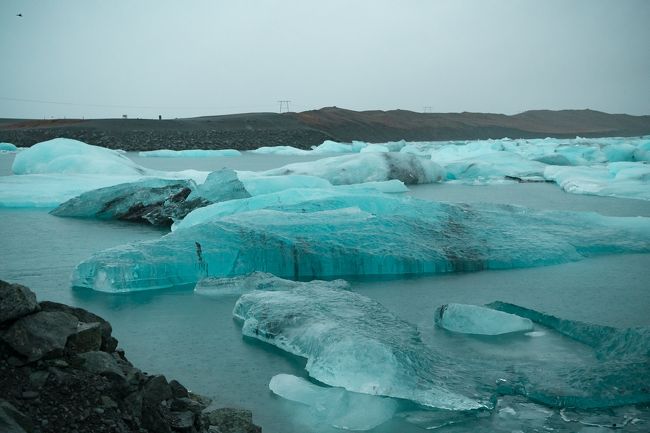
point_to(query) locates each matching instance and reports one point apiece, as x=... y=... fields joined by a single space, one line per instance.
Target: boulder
x=178 y=390
x=156 y=390
x=40 y=335
x=12 y=420
x=184 y=404
x=109 y=344
x=17 y=301
x=229 y=420
x=87 y=338
x=182 y=421
x=101 y=363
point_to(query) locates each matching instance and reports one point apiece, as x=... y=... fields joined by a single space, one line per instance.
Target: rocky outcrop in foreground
x=61 y=372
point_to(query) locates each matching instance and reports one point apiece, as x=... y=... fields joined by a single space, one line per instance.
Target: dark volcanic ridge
x=309 y=128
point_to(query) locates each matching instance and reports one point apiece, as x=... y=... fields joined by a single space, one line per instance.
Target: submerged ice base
x=474 y=319
x=335 y=406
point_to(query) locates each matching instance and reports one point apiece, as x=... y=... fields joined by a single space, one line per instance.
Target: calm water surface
x=194 y=339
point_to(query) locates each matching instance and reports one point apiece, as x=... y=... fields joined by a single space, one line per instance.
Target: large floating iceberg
x=67 y=156
x=355 y=343
x=356 y=235
x=617 y=179
x=153 y=200
x=367 y=167
x=156 y=201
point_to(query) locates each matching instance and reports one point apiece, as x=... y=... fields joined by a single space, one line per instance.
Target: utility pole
x=284 y=103
x=427 y=109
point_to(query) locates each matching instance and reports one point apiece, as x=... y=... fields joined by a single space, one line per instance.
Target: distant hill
x=308 y=128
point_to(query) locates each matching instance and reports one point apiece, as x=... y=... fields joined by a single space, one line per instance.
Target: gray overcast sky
x=190 y=58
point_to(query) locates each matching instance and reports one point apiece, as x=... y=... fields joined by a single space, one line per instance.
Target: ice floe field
x=497 y=285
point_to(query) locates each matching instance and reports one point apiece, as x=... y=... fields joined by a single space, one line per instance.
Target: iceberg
x=474 y=319
x=280 y=150
x=357 y=235
x=189 y=153
x=155 y=201
x=623 y=356
x=316 y=198
x=7 y=147
x=66 y=156
x=616 y=179
x=499 y=165
x=258 y=184
x=607 y=341
x=355 y=343
x=329 y=146
x=335 y=406
x=258 y=281
x=220 y=185
x=367 y=167
x=374 y=147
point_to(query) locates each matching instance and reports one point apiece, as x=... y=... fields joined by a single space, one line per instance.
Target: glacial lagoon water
x=193 y=338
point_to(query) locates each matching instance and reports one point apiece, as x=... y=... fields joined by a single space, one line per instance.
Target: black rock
x=101 y=363
x=182 y=421
x=42 y=334
x=177 y=389
x=108 y=342
x=184 y=404
x=17 y=301
x=12 y=420
x=156 y=390
x=233 y=420
x=87 y=338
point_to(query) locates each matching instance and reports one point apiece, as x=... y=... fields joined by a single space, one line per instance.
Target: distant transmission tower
x=427 y=109
x=284 y=103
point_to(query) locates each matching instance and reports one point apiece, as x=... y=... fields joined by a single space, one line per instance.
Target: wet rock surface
x=60 y=372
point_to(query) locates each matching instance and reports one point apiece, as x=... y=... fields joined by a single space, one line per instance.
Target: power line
x=284 y=103
x=154 y=107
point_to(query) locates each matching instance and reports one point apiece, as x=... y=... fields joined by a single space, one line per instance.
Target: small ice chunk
x=8 y=147
x=474 y=319
x=335 y=406
x=220 y=185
